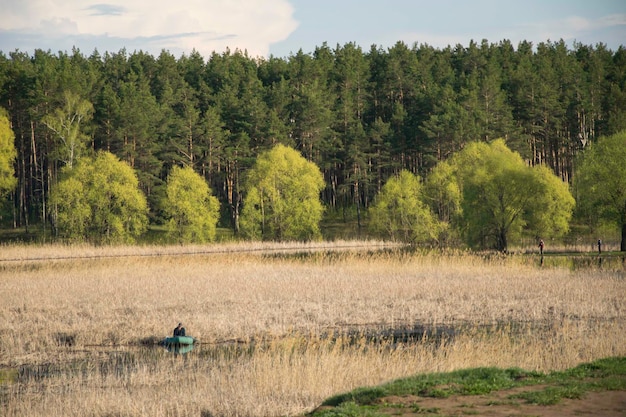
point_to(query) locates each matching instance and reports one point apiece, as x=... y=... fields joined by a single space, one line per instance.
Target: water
x=582 y=262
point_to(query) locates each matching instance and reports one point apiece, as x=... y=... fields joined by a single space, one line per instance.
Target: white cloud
x=567 y=28
x=180 y=25
x=570 y=28
x=575 y=23
x=611 y=20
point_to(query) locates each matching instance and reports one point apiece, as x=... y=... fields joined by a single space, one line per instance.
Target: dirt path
x=499 y=404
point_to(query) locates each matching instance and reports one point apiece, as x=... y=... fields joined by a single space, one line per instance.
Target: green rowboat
x=179 y=340
x=179 y=344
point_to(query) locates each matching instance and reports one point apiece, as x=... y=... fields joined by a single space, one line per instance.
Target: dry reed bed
x=217 y=297
x=118 y=301
x=288 y=377
x=19 y=252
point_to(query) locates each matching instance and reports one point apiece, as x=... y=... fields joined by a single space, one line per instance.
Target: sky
x=280 y=28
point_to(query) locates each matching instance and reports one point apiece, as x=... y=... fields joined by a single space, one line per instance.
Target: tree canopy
x=283 y=197
x=67 y=123
x=442 y=194
x=8 y=181
x=361 y=115
x=501 y=196
x=600 y=183
x=192 y=209
x=99 y=198
x=399 y=212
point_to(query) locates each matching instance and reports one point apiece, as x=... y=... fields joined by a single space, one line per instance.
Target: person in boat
x=179 y=330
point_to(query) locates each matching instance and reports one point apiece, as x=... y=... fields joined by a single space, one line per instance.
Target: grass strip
x=601 y=375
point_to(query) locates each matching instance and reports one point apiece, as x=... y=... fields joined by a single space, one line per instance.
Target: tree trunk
x=622 y=246
x=501 y=244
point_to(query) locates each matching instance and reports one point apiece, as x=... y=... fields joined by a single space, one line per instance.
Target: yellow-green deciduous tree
x=192 y=209
x=443 y=196
x=8 y=153
x=400 y=213
x=600 y=183
x=67 y=123
x=501 y=196
x=99 y=199
x=283 y=197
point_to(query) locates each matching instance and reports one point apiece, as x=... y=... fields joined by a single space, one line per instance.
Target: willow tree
x=400 y=212
x=191 y=207
x=282 y=197
x=600 y=183
x=442 y=194
x=501 y=197
x=99 y=200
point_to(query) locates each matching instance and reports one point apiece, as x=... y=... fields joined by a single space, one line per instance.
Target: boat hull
x=179 y=340
x=179 y=344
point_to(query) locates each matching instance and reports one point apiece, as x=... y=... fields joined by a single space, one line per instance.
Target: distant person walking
x=541 y=244
x=179 y=330
x=599 y=246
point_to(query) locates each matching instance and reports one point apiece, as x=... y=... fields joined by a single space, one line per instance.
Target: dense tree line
x=360 y=116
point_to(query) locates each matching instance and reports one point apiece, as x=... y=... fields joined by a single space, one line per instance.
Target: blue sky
x=282 y=27
x=449 y=22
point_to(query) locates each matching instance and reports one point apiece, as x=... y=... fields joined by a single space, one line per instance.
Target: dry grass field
x=75 y=323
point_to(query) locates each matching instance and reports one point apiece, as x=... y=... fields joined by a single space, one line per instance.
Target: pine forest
x=361 y=115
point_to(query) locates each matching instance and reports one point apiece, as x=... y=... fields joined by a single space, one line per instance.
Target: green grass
x=441 y=385
x=602 y=375
x=350 y=409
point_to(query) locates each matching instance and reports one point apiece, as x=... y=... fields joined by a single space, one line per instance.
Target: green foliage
x=551 y=395
x=600 y=183
x=361 y=116
x=8 y=153
x=349 y=409
x=475 y=381
x=485 y=380
x=603 y=374
x=99 y=199
x=71 y=204
x=442 y=193
x=552 y=206
x=363 y=395
x=67 y=122
x=399 y=211
x=191 y=207
x=598 y=369
x=501 y=196
x=490 y=178
x=282 y=200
